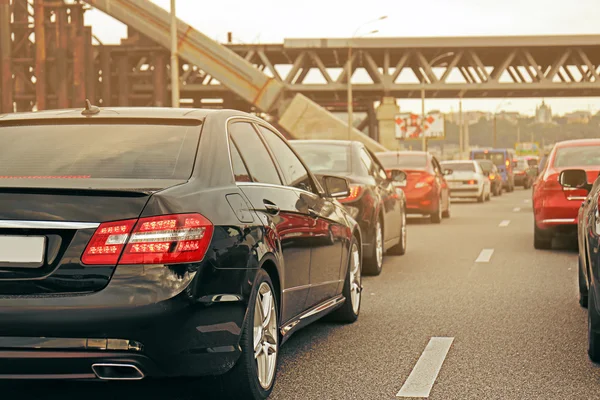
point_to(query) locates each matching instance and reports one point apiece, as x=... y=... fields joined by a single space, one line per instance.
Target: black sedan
x=374 y=201
x=164 y=242
x=576 y=187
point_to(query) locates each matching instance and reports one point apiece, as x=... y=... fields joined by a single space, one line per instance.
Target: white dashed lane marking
x=516 y=209
x=485 y=255
x=504 y=223
x=423 y=376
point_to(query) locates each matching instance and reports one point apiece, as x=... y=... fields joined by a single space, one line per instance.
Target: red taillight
x=427 y=180
x=106 y=245
x=355 y=192
x=166 y=239
x=551 y=183
x=472 y=182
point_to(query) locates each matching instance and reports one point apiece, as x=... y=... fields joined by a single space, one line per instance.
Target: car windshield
x=460 y=166
x=323 y=157
x=496 y=157
x=90 y=151
x=577 y=156
x=403 y=160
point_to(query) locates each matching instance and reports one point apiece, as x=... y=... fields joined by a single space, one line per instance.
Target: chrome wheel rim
x=404 y=230
x=265 y=335
x=379 y=245
x=355 y=277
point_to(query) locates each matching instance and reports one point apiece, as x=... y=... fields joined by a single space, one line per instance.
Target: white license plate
x=22 y=249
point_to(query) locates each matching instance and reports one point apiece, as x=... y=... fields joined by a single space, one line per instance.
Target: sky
x=270 y=21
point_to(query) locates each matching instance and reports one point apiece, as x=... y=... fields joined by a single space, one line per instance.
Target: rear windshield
x=470 y=167
x=400 y=161
x=117 y=151
x=320 y=157
x=496 y=157
x=577 y=156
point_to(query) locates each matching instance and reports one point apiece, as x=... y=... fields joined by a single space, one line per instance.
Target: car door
x=441 y=184
x=327 y=234
x=278 y=207
x=387 y=194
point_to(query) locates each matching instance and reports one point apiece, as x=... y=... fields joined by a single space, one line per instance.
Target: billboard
x=408 y=126
x=528 y=149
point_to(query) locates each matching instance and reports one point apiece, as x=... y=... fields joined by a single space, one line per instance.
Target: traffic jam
x=201 y=249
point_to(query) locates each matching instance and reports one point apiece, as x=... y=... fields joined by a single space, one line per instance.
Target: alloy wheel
x=379 y=245
x=355 y=279
x=265 y=335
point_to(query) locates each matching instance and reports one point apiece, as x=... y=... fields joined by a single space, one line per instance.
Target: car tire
x=244 y=380
x=481 y=198
x=541 y=240
x=400 y=248
x=489 y=196
x=436 y=217
x=349 y=311
x=446 y=214
x=374 y=262
x=583 y=288
x=593 y=323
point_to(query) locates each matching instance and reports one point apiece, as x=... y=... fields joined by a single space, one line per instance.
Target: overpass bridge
x=296 y=81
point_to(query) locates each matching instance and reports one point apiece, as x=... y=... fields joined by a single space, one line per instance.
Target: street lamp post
x=494 y=130
x=349 y=75
x=174 y=58
x=436 y=59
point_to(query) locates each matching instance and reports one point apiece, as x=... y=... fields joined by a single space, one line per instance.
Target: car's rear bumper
x=471 y=192
x=163 y=333
x=421 y=201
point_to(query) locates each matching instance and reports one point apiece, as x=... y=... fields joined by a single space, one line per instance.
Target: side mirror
x=397 y=175
x=448 y=172
x=335 y=186
x=574 y=179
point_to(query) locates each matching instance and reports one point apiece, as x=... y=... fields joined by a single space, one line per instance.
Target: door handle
x=313 y=213
x=271 y=207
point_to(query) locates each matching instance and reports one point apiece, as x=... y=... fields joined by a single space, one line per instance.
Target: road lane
x=518 y=330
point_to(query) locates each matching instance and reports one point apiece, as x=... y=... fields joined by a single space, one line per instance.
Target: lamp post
x=174 y=58
x=494 y=121
x=436 y=59
x=349 y=74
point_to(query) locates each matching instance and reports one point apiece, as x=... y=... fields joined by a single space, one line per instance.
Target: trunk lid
x=56 y=223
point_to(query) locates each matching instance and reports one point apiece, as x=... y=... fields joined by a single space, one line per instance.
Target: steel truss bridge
x=65 y=65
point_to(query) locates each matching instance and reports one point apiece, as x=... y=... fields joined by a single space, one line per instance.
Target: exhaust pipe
x=117 y=372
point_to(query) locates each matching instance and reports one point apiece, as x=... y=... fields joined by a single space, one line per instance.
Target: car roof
x=402 y=152
x=578 y=142
x=323 y=141
x=120 y=112
x=458 y=161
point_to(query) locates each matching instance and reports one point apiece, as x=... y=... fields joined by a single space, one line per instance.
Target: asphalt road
x=518 y=331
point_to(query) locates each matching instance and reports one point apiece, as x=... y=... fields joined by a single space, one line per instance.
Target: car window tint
x=254 y=153
x=293 y=171
x=240 y=171
x=366 y=160
x=98 y=150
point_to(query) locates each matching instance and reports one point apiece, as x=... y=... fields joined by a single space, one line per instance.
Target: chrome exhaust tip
x=117 y=372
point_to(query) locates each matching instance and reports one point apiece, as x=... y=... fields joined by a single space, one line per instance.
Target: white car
x=467 y=180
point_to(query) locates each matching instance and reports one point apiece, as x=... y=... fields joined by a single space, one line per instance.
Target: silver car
x=467 y=180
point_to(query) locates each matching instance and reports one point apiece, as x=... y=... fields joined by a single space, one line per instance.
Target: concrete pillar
x=372 y=121
x=386 y=114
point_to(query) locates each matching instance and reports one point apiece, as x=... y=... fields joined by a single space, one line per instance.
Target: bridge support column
x=386 y=114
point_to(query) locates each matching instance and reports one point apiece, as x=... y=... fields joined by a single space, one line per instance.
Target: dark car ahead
x=374 y=202
x=491 y=171
x=524 y=174
x=588 y=233
x=164 y=242
x=426 y=189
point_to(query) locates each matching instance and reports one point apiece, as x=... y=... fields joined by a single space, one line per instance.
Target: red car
x=426 y=189
x=555 y=208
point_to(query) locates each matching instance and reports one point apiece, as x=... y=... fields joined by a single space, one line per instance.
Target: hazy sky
x=270 y=21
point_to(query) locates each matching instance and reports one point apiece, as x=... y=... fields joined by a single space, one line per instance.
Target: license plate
x=22 y=249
